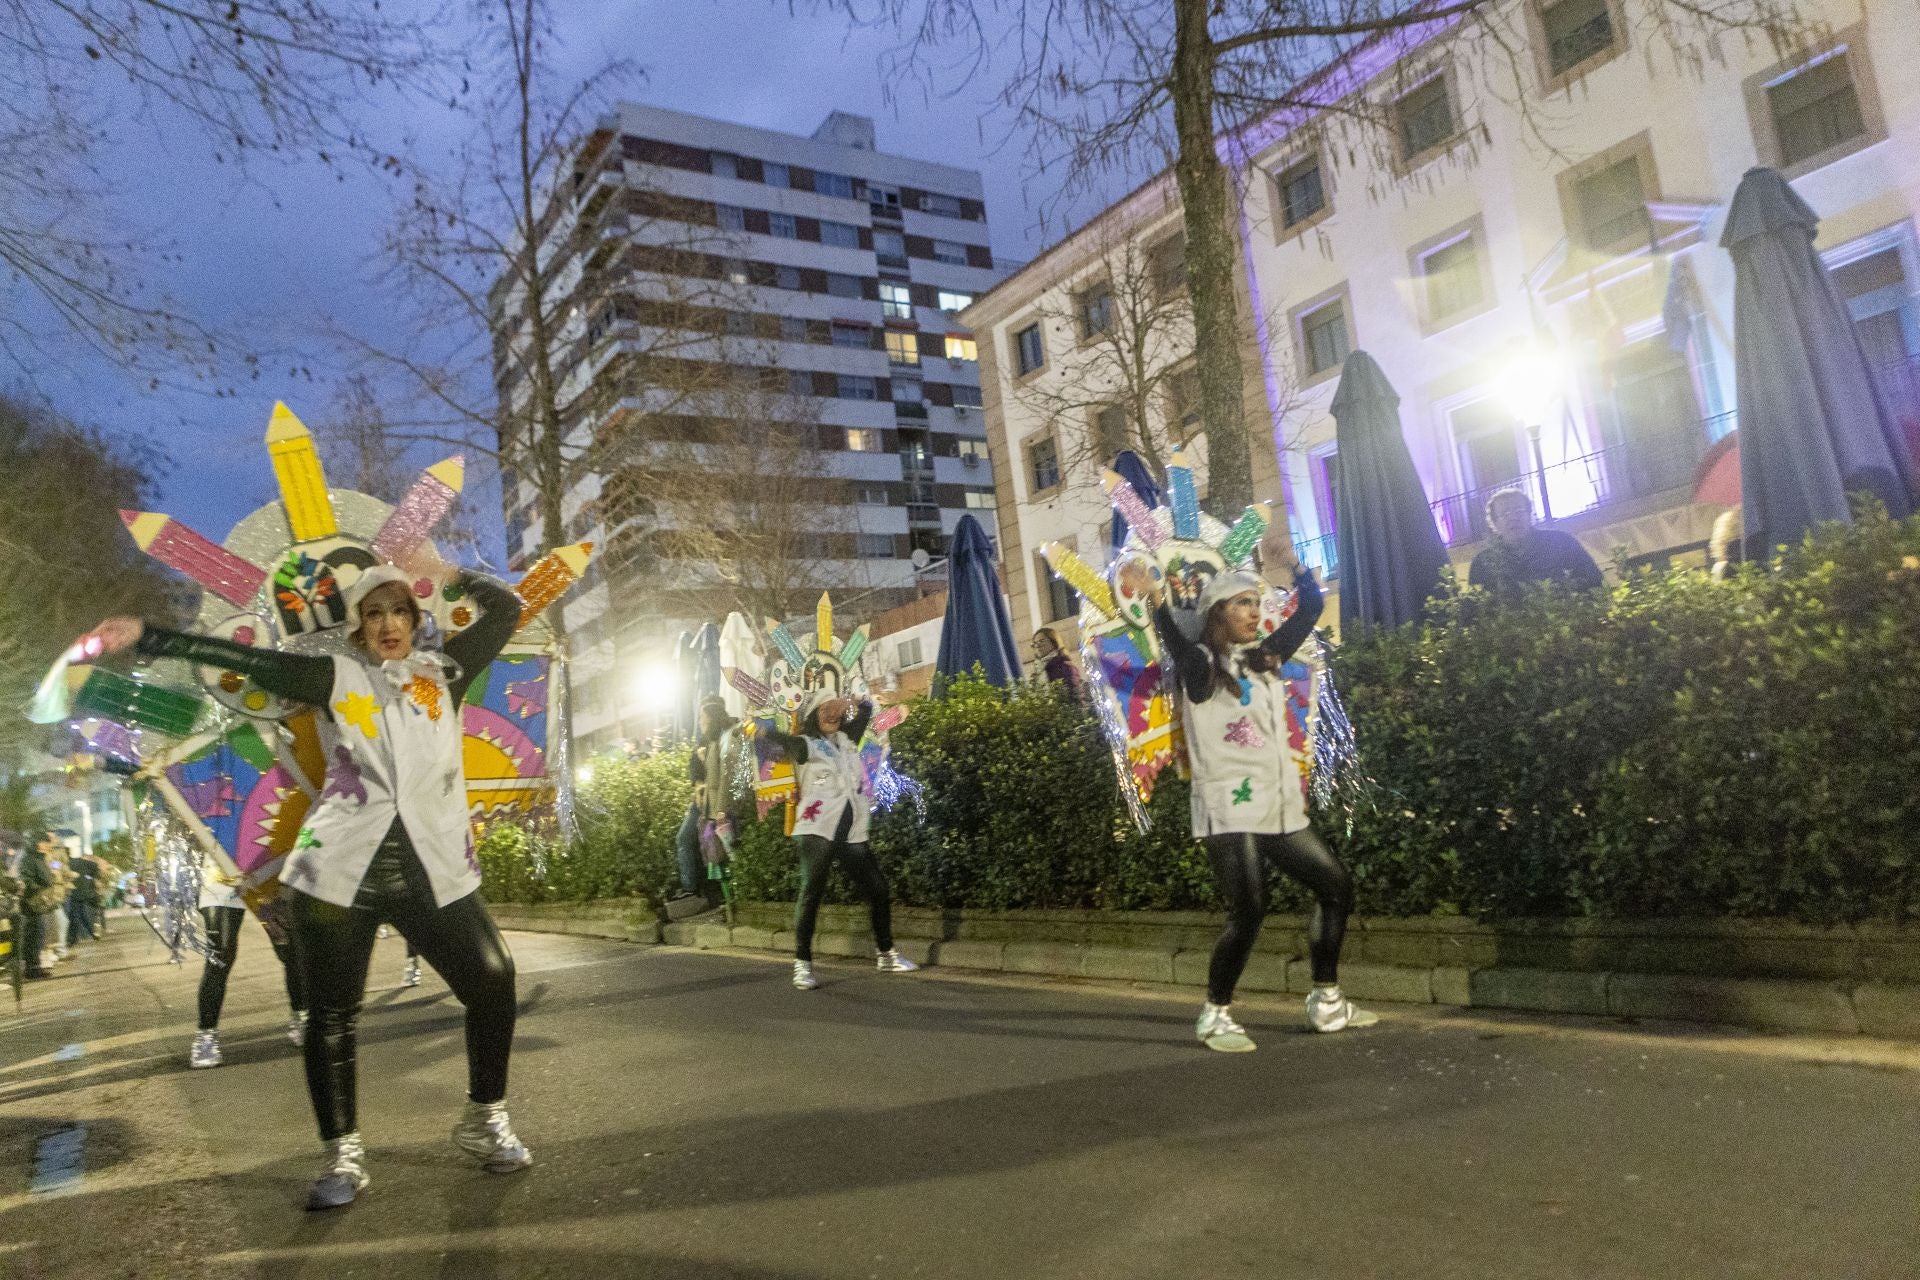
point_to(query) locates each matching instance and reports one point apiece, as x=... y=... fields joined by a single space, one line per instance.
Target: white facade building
x=1554 y=317
x=843 y=270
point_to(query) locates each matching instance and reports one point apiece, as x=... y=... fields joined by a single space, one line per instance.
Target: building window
x=951 y=301
x=730 y=217
x=896 y=301
x=1060 y=600
x=734 y=271
x=740 y=323
x=948 y=252
x=775 y=174
x=873 y=496
x=1168 y=263
x=874 y=546
x=833 y=184
x=1029 y=352
x=840 y=235
x=965 y=397
x=855 y=387
x=945 y=206
x=903 y=348
x=1043 y=465
x=1425 y=119
x=883 y=197
x=1327 y=490
x=890 y=249
x=1575 y=31
x=960 y=347
x=1095 y=309
x=1611 y=204
x=864 y=440
x=843 y=286
x=1303 y=195
x=799 y=382
x=1815 y=109
x=725 y=166
x=908 y=389
x=851 y=335
x=786 y=277
x=1323 y=337
x=793 y=329
x=1183 y=401
x=979 y=500
x=783 y=225
x=907 y=654
x=1451 y=275
x=972 y=450
x=1110 y=429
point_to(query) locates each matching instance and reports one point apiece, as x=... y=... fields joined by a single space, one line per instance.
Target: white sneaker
x=1328 y=1010
x=1218 y=1031
x=383 y=933
x=485 y=1134
x=803 y=977
x=205 y=1051
x=297 y=1029
x=343 y=1176
x=894 y=962
x=411 y=978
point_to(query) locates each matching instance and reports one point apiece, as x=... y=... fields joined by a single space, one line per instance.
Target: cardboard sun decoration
x=1180 y=547
x=279 y=581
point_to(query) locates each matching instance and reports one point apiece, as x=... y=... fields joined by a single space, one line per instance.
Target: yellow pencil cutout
x=823 y=624
x=303 y=482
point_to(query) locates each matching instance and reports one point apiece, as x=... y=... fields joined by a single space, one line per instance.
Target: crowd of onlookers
x=59 y=897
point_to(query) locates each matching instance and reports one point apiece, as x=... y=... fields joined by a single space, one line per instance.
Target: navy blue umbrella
x=1814 y=424
x=706 y=667
x=683 y=697
x=1391 y=555
x=976 y=628
x=1135 y=472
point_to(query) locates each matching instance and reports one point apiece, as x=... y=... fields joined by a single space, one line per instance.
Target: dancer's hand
x=115 y=635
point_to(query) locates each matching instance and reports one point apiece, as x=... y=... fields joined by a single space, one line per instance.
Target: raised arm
x=856 y=727
x=297 y=677
x=792 y=743
x=1291 y=634
x=1190 y=660
x=481 y=643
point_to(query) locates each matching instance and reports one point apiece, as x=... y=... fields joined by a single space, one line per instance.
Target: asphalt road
x=693 y=1116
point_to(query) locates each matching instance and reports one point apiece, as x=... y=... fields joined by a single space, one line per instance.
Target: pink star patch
x=811 y=812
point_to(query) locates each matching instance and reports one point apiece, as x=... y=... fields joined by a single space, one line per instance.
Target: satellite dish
x=920 y=558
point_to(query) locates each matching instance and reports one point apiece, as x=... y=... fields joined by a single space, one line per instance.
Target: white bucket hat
x=378 y=576
x=1225 y=586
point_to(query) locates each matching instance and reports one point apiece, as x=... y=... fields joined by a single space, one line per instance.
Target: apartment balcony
x=1634 y=474
x=1321 y=554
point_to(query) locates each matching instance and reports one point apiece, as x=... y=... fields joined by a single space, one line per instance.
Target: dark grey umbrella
x=1814 y=424
x=976 y=628
x=1391 y=555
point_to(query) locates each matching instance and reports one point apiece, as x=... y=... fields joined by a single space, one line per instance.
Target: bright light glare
x=655 y=686
x=584 y=774
x=1529 y=381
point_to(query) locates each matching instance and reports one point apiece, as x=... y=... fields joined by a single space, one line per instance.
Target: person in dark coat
x=1054 y=661
x=1520 y=554
x=36 y=878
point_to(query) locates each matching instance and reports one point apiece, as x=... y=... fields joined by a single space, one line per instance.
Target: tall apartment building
x=1559 y=320
x=836 y=272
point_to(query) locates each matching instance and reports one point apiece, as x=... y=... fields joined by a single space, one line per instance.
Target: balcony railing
x=1622 y=473
x=1321 y=554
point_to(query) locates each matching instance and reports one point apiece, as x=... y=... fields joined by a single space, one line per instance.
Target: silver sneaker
x=205 y=1051
x=1218 y=1031
x=1328 y=1010
x=411 y=978
x=343 y=1176
x=297 y=1029
x=803 y=978
x=894 y=962
x=485 y=1134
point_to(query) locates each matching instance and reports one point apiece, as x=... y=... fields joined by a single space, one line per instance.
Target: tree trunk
x=1211 y=262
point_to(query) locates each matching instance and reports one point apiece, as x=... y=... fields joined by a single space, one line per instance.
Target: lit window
x=840 y=235
x=775 y=174
x=960 y=347
x=973 y=449
x=1815 y=108
x=979 y=500
x=896 y=300
x=950 y=301
x=783 y=225
x=1029 y=352
x=864 y=440
x=903 y=348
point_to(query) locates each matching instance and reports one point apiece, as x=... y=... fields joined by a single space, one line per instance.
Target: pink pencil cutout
x=423 y=507
x=178 y=547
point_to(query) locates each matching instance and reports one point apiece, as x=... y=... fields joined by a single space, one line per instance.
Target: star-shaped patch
x=358 y=710
x=1245 y=792
x=811 y=812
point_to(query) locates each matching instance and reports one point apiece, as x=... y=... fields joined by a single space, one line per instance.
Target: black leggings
x=223 y=935
x=816 y=860
x=334 y=945
x=1240 y=869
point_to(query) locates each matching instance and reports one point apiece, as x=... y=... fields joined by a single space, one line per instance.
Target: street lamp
x=1528 y=384
x=655 y=686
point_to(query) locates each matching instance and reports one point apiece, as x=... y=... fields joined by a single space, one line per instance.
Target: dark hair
x=717 y=708
x=1256 y=658
x=359 y=634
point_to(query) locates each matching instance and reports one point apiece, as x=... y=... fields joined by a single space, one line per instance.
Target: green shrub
x=627 y=817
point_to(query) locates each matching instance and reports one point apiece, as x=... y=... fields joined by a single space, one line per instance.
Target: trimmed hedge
x=1674 y=746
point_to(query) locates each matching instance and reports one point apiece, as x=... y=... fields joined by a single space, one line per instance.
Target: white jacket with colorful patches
x=1247 y=776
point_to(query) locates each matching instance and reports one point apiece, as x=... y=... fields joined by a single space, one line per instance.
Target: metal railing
x=1321 y=554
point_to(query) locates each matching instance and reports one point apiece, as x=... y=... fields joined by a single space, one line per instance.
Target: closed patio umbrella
x=976 y=629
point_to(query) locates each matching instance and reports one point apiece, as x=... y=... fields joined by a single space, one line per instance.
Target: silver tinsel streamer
x=560 y=750
x=170 y=884
x=1338 y=781
x=1113 y=727
x=890 y=786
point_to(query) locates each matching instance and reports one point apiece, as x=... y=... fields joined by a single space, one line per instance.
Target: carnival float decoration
x=226 y=771
x=1129 y=677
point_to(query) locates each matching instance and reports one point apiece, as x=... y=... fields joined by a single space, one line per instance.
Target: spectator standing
x=1054 y=662
x=1520 y=554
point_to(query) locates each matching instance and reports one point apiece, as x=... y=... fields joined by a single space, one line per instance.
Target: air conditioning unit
x=970 y=459
x=961 y=410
